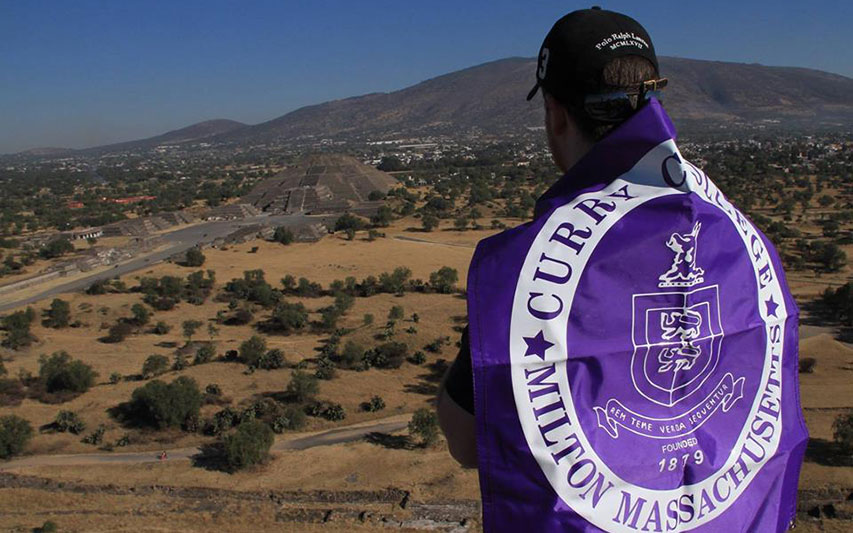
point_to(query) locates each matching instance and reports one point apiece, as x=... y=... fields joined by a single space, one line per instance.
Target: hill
x=490 y=98
x=195 y=132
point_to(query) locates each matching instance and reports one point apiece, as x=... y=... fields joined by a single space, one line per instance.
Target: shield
x=677 y=338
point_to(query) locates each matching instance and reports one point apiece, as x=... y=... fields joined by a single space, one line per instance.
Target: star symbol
x=537 y=345
x=771 y=306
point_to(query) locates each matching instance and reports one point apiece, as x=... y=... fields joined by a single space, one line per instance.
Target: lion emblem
x=684 y=325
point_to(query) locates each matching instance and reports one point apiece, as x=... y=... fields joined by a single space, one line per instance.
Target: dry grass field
x=340 y=487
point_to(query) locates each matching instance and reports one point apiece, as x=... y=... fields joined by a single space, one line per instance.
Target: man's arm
x=456 y=408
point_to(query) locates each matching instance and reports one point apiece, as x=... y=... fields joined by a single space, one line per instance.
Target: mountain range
x=489 y=99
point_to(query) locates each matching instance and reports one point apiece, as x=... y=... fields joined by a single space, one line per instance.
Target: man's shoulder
x=504 y=242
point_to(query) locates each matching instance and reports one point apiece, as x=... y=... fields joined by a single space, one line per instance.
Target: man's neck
x=573 y=151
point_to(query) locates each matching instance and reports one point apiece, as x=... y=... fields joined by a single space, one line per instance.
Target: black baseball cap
x=578 y=47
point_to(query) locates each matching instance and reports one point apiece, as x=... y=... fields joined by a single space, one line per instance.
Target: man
x=633 y=348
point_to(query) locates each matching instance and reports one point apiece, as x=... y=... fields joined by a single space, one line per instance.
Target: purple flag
x=635 y=354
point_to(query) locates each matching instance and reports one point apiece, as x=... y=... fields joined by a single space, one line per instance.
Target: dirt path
x=425 y=241
x=324 y=438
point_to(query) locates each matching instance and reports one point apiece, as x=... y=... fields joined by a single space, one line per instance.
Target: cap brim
x=532 y=92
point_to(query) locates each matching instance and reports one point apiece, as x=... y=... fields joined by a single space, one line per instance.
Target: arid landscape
x=242 y=325
x=379 y=462
x=377 y=477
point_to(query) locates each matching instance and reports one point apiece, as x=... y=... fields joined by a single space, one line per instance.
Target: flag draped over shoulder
x=635 y=354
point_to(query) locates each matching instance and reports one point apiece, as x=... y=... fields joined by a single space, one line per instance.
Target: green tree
x=825 y=200
x=383 y=217
x=58 y=314
x=96 y=437
x=283 y=235
x=240 y=317
x=15 y=433
x=344 y=302
x=272 y=360
x=348 y=221
x=56 y=248
x=326 y=368
x=189 y=328
x=118 y=332
x=376 y=403
x=252 y=349
x=387 y=355
x=352 y=355
x=194 y=258
x=307 y=288
x=396 y=313
x=329 y=318
x=161 y=328
x=98 y=287
x=60 y=373
x=390 y=163
x=288 y=317
x=837 y=304
x=141 y=314
x=444 y=280
x=302 y=386
x=291 y=418
x=328 y=410
x=842 y=430
x=49 y=526
x=155 y=365
x=424 y=424
x=204 y=354
x=180 y=361
x=288 y=282
x=248 y=445
x=418 y=358
x=69 y=421
x=17 y=326
x=163 y=405
x=389 y=330
x=831 y=257
x=395 y=282
x=429 y=222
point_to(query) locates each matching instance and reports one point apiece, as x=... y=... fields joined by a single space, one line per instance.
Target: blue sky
x=81 y=73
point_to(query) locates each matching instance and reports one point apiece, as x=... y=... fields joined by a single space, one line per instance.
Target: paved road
x=176 y=241
x=325 y=438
